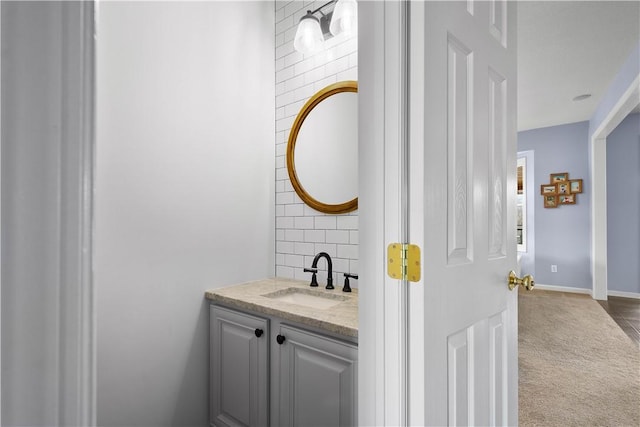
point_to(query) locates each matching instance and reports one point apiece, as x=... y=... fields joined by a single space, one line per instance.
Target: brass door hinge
x=403 y=262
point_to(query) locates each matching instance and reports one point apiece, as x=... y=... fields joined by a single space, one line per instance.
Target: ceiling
x=570 y=48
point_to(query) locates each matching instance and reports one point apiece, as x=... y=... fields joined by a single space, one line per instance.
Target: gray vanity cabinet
x=239 y=368
x=268 y=372
x=317 y=379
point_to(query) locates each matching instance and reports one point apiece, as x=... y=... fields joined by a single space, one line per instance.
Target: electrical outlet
x=554 y=268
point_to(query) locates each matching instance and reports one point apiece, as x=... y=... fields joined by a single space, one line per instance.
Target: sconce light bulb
x=308 y=37
x=345 y=18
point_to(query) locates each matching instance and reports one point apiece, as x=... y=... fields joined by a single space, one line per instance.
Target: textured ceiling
x=566 y=49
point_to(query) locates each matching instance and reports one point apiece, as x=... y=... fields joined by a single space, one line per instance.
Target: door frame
x=598 y=155
x=382 y=131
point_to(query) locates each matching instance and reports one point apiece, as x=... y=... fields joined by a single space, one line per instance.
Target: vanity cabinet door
x=239 y=369
x=317 y=379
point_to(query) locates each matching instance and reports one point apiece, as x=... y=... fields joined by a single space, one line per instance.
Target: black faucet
x=314 y=269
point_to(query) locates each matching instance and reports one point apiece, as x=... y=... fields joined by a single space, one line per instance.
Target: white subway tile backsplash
x=293 y=210
x=285 y=98
x=303 y=93
x=284 y=222
x=321 y=84
x=338 y=236
x=300 y=274
x=294 y=235
x=282 y=173
x=353 y=60
x=292 y=59
x=314 y=236
x=284 y=247
x=314 y=75
x=279 y=40
x=282 y=51
x=340 y=265
x=309 y=211
x=289 y=187
x=283 y=271
x=284 y=198
x=290 y=34
x=347 y=222
x=303 y=222
x=295 y=9
x=349 y=74
x=353 y=266
x=304 y=248
x=347 y=251
x=302 y=232
x=325 y=222
x=284 y=73
x=292 y=110
x=329 y=248
x=337 y=66
x=285 y=23
x=294 y=261
x=303 y=66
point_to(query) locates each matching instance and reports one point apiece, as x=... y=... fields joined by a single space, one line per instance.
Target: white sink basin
x=306 y=297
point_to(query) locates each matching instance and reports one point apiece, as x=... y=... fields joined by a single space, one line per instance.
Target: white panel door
x=462 y=212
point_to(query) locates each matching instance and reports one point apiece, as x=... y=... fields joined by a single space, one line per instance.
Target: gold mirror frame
x=351 y=205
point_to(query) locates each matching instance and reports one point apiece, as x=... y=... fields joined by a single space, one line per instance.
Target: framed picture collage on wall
x=561 y=190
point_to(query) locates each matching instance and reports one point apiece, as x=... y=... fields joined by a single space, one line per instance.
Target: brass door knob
x=526 y=282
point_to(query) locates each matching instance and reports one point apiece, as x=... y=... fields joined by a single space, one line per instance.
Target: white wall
x=302 y=232
x=31 y=40
x=184 y=193
x=46 y=150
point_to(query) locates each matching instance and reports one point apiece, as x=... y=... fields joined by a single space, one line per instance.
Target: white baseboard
x=634 y=295
x=573 y=290
x=562 y=289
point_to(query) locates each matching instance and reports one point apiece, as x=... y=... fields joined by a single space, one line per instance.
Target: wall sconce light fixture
x=312 y=31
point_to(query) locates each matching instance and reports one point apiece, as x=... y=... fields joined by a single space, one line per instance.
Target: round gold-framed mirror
x=322 y=154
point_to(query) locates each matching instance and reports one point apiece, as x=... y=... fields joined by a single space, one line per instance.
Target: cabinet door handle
x=259 y=332
x=280 y=339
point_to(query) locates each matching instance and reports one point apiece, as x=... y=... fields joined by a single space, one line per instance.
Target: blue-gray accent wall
x=623 y=206
x=562 y=234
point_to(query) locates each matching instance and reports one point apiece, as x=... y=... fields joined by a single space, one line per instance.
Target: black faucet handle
x=314 y=279
x=347 y=276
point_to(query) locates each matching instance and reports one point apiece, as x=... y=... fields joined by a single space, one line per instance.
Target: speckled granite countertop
x=340 y=319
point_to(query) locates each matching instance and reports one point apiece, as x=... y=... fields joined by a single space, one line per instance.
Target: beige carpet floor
x=577 y=367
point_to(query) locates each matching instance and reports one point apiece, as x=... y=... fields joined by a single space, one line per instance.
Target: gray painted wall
x=623 y=206
x=562 y=235
x=184 y=193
